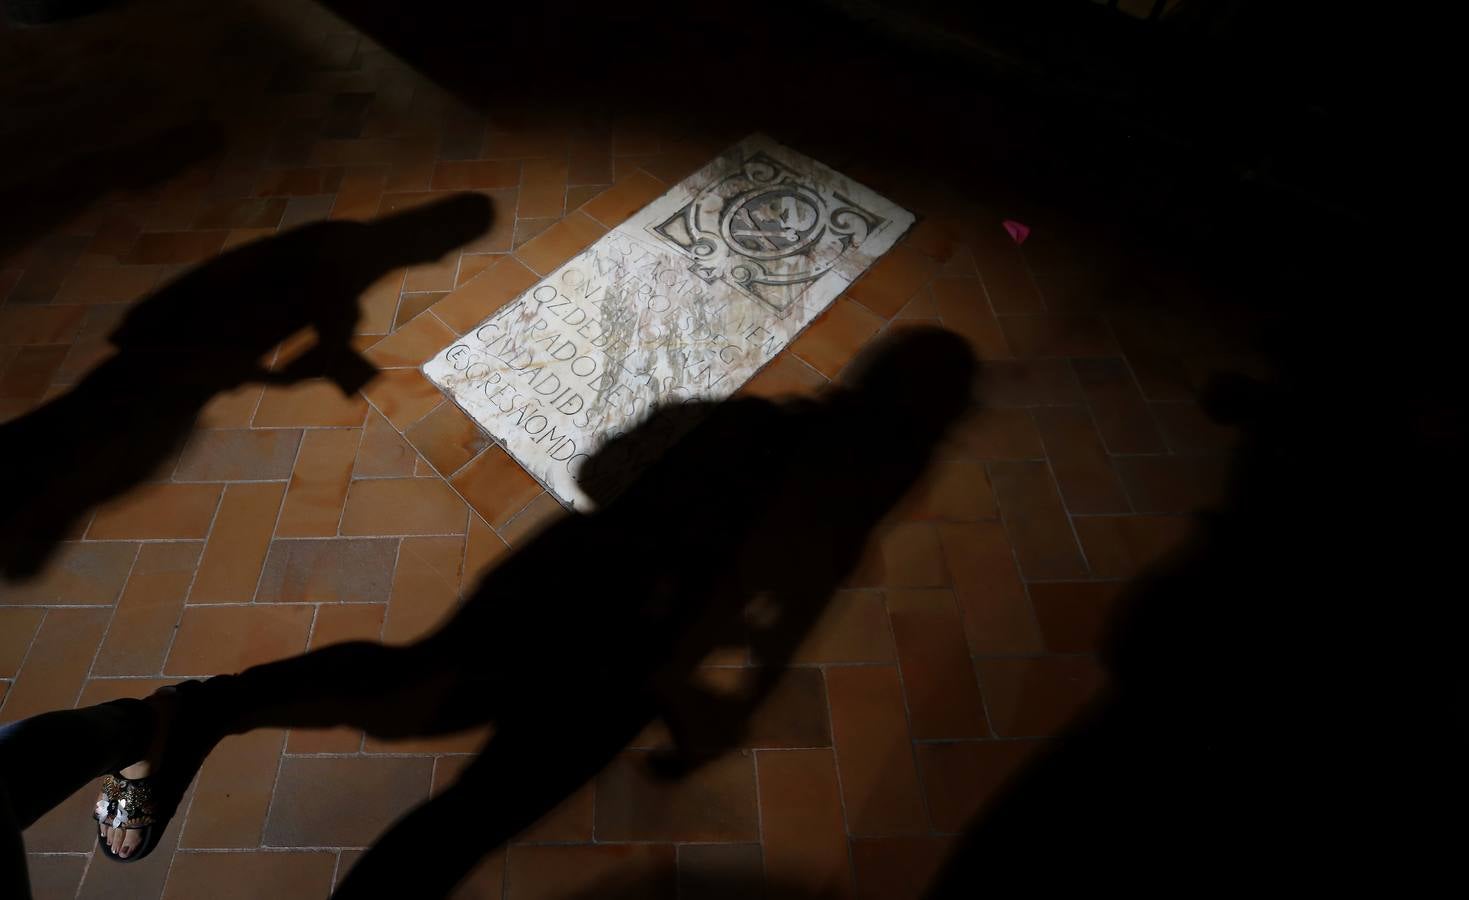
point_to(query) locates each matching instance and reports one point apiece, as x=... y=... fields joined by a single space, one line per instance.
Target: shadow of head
x=913 y=384
x=427 y=233
x=894 y=404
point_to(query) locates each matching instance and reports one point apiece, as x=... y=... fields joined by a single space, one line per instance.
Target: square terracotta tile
x=1079 y=461
x=288 y=182
x=471 y=264
x=318 y=485
x=1006 y=278
x=530 y=522
x=383 y=452
x=483 y=550
x=783 y=376
x=433 y=276
x=81 y=574
x=171 y=247
x=232 y=792
x=68 y=827
x=410 y=306
x=1029 y=382
x=231 y=409
x=447 y=438
x=343 y=802
x=903 y=554
x=719 y=871
x=237 y=544
x=898 y=868
x=31 y=372
x=1037 y=523
x=403 y=396
x=1123 y=419
x=852 y=628
x=836 y=336
x=963 y=777
x=425 y=586
x=953 y=490
x=1058 y=335
x=22 y=325
x=892 y=281
x=1074 y=615
x=158 y=511
x=1123 y=546
x=335 y=624
x=142 y=626
x=801 y=821
x=496 y=486
x=613 y=206
x=473 y=302
x=17 y=628
x=590 y=168
x=471 y=174
x=793 y=715
x=963 y=306
x=311 y=403
x=238 y=876
x=578 y=195
x=360 y=193
x=354 y=570
x=110 y=284
x=216 y=639
x=1173 y=484
x=542 y=188
x=715 y=803
x=56 y=666
x=525 y=229
x=874 y=750
x=260 y=212
x=560 y=242
x=943 y=698
x=1188 y=429
x=551 y=872
x=1037 y=696
x=994 y=434
x=383 y=506
x=410 y=345
x=238 y=455
x=378 y=304
x=997 y=615
x=54 y=875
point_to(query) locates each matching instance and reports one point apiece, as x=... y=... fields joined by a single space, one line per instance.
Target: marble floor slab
x=686 y=300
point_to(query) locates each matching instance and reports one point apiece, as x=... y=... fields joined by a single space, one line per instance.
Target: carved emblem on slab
x=766 y=230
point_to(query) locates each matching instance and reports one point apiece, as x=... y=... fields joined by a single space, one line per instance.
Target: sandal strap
x=125 y=803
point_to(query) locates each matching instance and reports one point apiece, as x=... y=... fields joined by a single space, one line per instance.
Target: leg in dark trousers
x=530 y=766
x=47 y=758
x=413 y=691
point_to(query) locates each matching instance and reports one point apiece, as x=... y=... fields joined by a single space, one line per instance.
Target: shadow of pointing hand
x=212 y=330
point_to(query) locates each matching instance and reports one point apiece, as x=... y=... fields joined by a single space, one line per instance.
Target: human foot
x=123 y=842
x=135 y=805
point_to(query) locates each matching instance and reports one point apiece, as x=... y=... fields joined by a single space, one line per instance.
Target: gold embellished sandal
x=128 y=803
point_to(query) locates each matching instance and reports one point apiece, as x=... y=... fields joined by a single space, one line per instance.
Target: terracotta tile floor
x=295 y=517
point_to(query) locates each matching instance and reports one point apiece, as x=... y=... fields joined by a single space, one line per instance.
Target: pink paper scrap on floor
x=1019 y=231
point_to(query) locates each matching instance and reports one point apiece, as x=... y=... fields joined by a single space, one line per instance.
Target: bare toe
x=131 y=841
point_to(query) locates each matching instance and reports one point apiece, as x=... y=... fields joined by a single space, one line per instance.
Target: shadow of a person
x=1243 y=736
x=595 y=628
x=207 y=332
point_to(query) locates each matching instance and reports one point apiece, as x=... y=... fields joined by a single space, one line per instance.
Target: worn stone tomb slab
x=685 y=300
